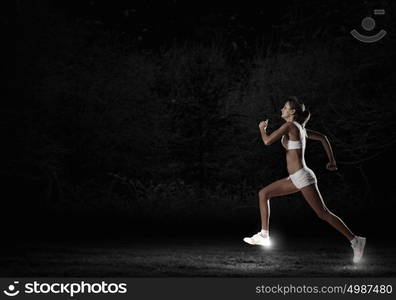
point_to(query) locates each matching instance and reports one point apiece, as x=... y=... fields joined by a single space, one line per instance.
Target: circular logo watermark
x=368 y=24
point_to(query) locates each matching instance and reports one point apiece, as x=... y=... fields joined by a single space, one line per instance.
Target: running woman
x=293 y=136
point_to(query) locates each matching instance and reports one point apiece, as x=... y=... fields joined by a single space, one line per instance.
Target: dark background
x=138 y=116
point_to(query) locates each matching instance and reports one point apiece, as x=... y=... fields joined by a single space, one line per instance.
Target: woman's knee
x=263 y=194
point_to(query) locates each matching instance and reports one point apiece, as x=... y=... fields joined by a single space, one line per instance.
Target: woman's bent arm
x=277 y=134
x=317 y=136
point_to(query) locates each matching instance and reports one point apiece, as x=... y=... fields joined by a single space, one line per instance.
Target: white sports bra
x=296 y=144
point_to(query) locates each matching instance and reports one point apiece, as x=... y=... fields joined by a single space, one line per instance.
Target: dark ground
x=198 y=256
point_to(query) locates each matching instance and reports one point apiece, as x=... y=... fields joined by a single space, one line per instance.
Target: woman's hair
x=302 y=115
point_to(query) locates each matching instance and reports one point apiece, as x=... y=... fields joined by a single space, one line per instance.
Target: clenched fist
x=331 y=166
x=263 y=124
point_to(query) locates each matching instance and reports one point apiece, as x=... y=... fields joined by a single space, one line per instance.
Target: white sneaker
x=358 y=248
x=258 y=239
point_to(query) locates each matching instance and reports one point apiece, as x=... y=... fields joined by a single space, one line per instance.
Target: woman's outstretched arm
x=317 y=136
x=276 y=135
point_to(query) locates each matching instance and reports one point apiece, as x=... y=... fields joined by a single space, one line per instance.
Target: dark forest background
x=135 y=113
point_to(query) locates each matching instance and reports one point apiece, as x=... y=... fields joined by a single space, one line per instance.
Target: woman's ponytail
x=305 y=115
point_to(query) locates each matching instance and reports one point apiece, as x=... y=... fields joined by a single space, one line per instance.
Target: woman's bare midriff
x=294 y=161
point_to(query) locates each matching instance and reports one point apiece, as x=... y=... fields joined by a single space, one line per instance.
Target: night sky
x=154 y=23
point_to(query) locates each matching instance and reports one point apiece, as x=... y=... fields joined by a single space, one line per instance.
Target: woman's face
x=287 y=112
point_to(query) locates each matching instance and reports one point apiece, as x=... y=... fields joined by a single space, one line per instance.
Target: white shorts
x=303 y=177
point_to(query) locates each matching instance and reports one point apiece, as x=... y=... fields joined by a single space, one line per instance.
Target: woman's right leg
x=278 y=188
x=314 y=198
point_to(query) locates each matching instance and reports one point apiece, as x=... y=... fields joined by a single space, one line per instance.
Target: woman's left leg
x=314 y=198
